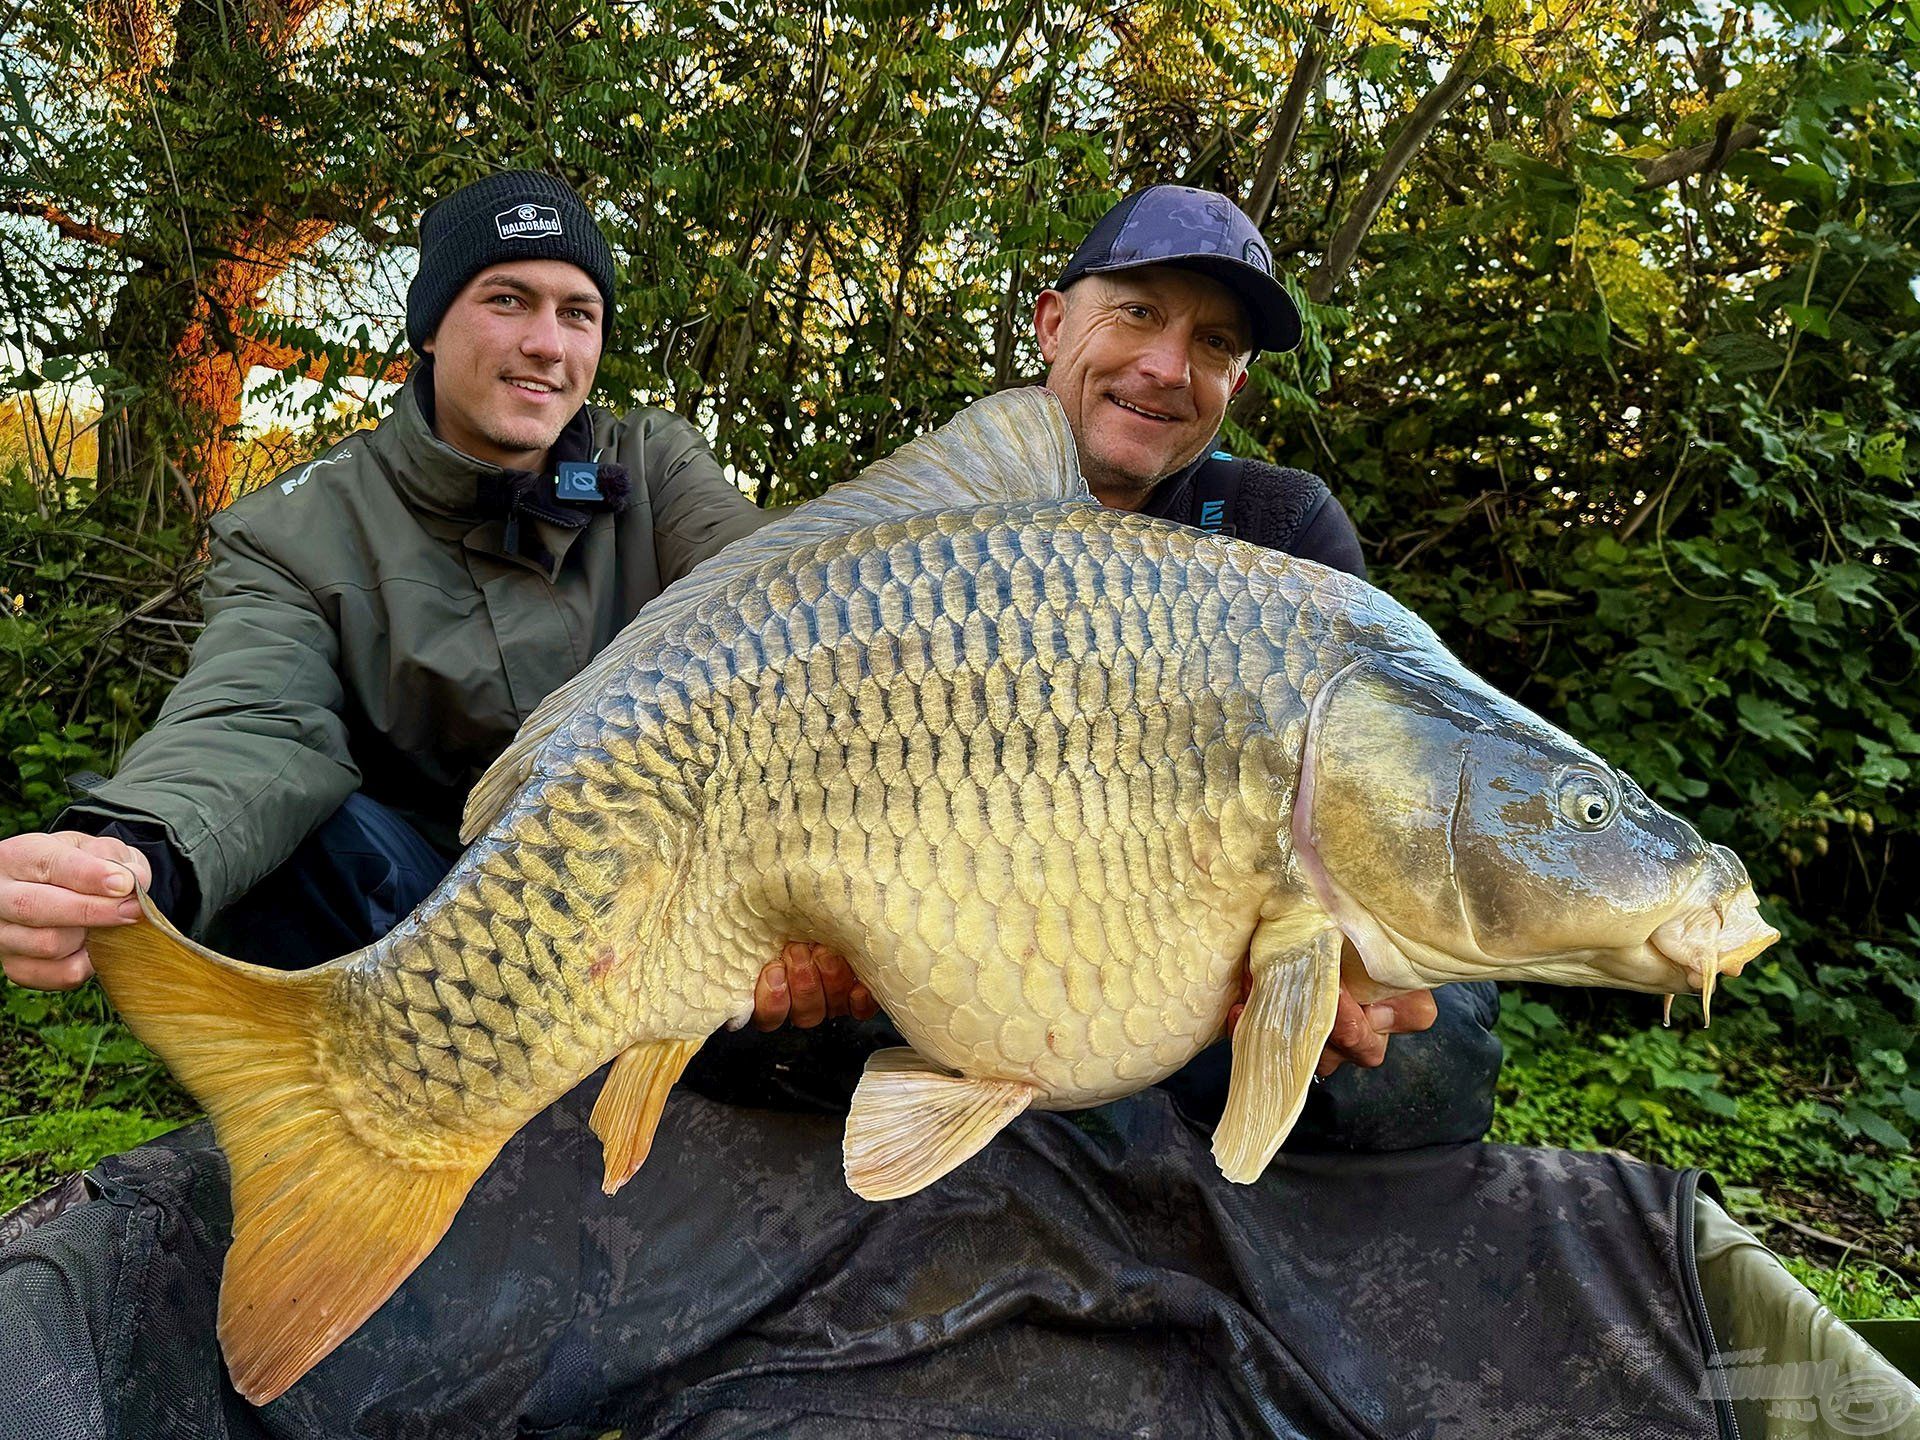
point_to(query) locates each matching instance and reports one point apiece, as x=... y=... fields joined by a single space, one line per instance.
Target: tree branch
x=1287 y=113
x=358 y=218
x=359 y=364
x=72 y=229
x=1708 y=155
x=1413 y=134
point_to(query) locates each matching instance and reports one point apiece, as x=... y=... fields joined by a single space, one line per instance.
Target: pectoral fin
x=1296 y=989
x=628 y=1110
x=912 y=1123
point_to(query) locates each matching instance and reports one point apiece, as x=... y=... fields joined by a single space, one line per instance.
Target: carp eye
x=1587 y=801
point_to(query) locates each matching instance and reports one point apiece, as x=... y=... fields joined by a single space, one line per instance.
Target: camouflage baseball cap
x=1194 y=230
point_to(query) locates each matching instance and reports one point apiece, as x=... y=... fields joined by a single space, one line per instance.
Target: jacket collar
x=1172 y=495
x=436 y=479
x=429 y=473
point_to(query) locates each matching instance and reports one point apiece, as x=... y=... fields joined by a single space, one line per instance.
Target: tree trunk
x=177 y=333
x=178 y=336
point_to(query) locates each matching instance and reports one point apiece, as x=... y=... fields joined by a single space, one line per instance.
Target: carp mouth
x=1711 y=939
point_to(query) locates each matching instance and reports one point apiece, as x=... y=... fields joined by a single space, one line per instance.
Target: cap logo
x=527 y=222
x=1255 y=254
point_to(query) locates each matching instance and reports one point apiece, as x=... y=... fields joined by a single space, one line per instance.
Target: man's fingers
x=118 y=853
x=41 y=942
x=65 y=973
x=836 y=979
x=1407 y=1014
x=1353 y=1037
x=53 y=889
x=55 y=907
x=66 y=861
x=807 y=984
x=803 y=979
x=1360 y=1032
x=771 y=1000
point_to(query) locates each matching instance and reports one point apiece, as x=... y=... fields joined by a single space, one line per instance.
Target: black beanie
x=514 y=215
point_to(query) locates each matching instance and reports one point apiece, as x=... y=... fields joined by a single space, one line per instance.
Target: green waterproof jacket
x=368 y=629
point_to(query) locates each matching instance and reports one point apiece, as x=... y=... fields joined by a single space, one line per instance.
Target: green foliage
x=1636 y=435
x=94 y=627
x=1854 y=1290
x=74 y=1086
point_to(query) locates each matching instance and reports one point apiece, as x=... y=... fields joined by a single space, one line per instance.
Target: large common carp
x=1052 y=777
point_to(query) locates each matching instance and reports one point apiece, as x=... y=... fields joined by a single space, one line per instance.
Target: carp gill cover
x=1052 y=777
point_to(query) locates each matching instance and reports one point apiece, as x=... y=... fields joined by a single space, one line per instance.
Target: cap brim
x=1276 y=319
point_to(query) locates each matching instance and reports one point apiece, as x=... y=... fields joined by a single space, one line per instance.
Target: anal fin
x=628 y=1110
x=912 y=1123
x=1296 y=991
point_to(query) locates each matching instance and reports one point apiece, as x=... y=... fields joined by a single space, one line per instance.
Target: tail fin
x=325 y=1225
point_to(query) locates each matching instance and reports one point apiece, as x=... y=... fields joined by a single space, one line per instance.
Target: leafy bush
x=96 y=619
x=74 y=1086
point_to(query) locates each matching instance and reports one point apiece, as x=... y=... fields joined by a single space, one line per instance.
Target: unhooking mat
x=1086 y=1276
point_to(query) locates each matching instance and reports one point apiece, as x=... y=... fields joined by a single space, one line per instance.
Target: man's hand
x=806 y=985
x=1360 y=1032
x=53 y=889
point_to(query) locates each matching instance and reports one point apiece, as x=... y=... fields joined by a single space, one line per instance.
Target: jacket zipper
x=1683 y=1202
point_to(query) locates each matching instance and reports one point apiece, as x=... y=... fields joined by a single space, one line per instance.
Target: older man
x=1147 y=336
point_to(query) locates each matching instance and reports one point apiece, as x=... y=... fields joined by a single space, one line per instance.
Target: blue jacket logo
x=577 y=480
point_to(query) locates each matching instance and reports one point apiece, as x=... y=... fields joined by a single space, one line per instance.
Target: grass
x=75 y=1086
x=1858 y=1290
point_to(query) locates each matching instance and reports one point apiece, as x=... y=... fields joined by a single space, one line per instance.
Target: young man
x=381 y=620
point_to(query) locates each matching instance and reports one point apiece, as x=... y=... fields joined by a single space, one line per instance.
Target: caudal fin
x=325 y=1224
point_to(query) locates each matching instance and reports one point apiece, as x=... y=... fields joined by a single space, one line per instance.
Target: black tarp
x=1086 y=1276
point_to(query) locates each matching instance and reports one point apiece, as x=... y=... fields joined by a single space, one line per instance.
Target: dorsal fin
x=1012 y=447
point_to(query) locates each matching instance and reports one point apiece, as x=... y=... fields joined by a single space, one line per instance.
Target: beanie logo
x=527 y=222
